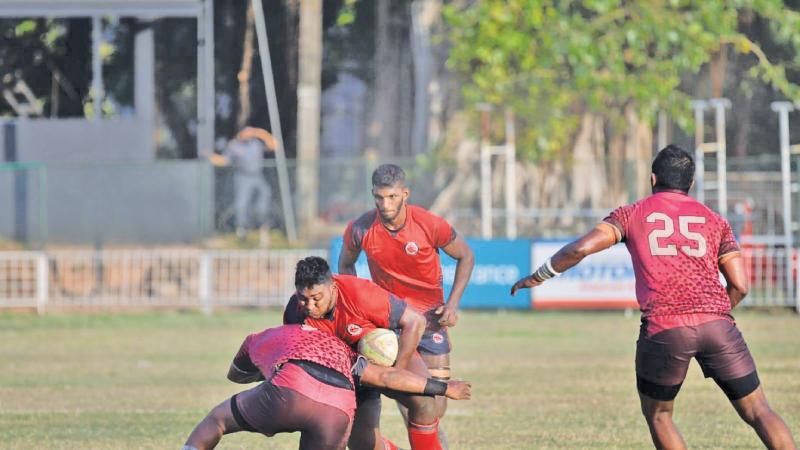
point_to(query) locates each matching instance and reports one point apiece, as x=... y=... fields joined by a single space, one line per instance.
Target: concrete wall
x=81 y=140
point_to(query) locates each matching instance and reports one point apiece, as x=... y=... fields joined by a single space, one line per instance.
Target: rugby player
x=678 y=247
x=309 y=387
x=402 y=244
x=349 y=308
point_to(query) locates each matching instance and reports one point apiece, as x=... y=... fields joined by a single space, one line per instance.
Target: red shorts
x=718 y=346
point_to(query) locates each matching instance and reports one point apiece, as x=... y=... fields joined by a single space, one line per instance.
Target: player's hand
x=524 y=283
x=458 y=390
x=448 y=315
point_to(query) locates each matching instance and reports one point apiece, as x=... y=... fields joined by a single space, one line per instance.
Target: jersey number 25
x=669 y=229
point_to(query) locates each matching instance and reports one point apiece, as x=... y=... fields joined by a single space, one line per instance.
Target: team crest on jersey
x=412 y=248
x=437 y=338
x=353 y=329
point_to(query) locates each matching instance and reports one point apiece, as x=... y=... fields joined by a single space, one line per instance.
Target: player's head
x=389 y=190
x=316 y=291
x=673 y=168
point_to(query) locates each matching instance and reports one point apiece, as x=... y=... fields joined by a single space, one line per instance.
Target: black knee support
x=739 y=387
x=657 y=391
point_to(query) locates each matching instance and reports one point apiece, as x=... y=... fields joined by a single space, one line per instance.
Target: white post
x=274 y=120
x=663 y=124
x=783 y=109
x=42 y=283
x=98 y=92
x=204 y=279
x=511 y=163
x=205 y=78
x=720 y=105
x=486 y=192
x=699 y=107
x=486 y=172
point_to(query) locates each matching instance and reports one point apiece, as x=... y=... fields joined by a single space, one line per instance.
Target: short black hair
x=673 y=168
x=311 y=271
x=388 y=175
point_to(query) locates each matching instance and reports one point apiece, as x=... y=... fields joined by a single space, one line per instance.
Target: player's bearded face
x=390 y=201
x=317 y=300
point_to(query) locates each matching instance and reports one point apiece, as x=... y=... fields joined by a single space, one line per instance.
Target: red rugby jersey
x=406 y=262
x=675 y=244
x=361 y=307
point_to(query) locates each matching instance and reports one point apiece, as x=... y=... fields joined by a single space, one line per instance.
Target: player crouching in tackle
x=309 y=378
x=678 y=247
x=350 y=308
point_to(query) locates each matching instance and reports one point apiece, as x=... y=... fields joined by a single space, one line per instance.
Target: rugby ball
x=379 y=346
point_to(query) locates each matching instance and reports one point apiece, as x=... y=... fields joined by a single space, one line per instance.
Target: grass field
x=554 y=380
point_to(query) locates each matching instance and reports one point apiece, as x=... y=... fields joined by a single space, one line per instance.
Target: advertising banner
x=604 y=280
x=498 y=264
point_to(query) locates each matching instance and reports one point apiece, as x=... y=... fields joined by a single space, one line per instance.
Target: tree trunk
x=246 y=69
x=308 y=110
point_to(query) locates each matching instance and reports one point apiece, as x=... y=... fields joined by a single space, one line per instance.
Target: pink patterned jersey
x=675 y=244
x=270 y=348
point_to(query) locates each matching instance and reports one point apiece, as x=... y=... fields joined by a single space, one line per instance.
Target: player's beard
x=387 y=218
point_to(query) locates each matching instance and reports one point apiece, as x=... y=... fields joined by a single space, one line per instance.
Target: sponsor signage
x=498 y=264
x=604 y=280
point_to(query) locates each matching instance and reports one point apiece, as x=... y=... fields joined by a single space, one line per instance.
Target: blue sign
x=498 y=264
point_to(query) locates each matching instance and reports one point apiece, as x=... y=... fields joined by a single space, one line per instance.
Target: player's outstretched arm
x=465 y=261
x=732 y=268
x=412 y=325
x=405 y=381
x=600 y=238
x=347 y=260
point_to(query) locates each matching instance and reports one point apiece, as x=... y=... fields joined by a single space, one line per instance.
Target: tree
x=586 y=78
x=551 y=61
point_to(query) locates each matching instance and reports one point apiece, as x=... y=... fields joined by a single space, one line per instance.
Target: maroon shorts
x=270 y=409
x=719 y=348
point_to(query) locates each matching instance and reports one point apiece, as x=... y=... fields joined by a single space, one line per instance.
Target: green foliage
x=552 y=60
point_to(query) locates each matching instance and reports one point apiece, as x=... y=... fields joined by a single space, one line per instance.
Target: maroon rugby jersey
x=406 y=262
x=675 y=244
x=270 y=348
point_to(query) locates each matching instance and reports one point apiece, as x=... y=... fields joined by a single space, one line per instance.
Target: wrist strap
x=435 y=387
x=545 y=272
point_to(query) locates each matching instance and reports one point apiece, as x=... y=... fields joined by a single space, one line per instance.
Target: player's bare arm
x=600 y=238
x=405 y=381
x=347 y=260
x=732 y=268
x=460 y=251
x=412 y=325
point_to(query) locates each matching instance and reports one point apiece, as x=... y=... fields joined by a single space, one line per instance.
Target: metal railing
x=148 y=278
x=209 y=279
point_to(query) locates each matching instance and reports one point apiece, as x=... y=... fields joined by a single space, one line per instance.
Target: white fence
x=205 y=279
x=148 y=278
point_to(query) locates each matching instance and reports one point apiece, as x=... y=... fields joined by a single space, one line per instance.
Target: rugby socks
x=389 y=445
x=424 y=437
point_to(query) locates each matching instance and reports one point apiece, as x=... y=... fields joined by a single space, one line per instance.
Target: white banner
x=604 y=280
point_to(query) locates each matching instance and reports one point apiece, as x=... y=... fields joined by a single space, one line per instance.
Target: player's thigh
x=365 y=433
x=662 y=360
x=439 y=368
x=327 y=427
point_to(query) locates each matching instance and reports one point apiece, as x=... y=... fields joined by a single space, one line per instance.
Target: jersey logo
x=437 y=338
x=412 y=248
x=353 y=329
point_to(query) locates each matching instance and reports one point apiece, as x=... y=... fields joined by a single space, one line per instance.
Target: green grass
x=554 y=380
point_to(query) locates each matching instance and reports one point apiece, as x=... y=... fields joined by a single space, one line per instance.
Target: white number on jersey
x=669 y=229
